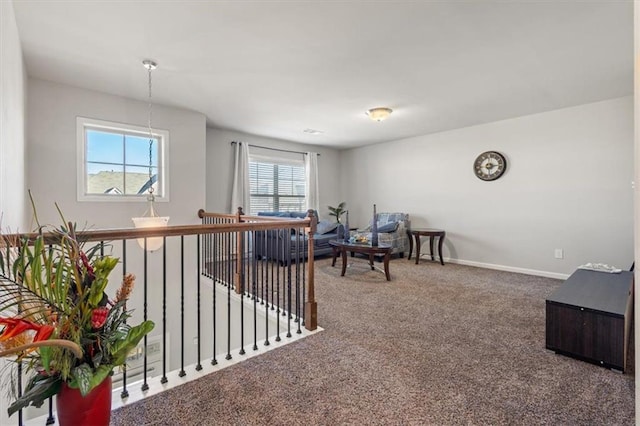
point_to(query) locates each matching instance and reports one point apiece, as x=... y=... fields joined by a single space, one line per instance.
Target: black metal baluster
x=261 y=280
x=198 y=365
x=223 y=254
x=213 y=277
x=216 y=255
x=242 y=296
x=125 y=393
x=296 y=275
x=284 y=245
x=182 y=373
x=216 y=258
x=145 y=385
x=51 y=420
x=207 y=253
x=272 y=286
x=249 y=264
x=211 y=256
x=278 y=301
x=255 y=300
x=289 y=299
x=164 y=310
x=19 y=366
x=228 y=356
x=304 y=274
x=19 y=384
x=297 y=320
x=266 y=305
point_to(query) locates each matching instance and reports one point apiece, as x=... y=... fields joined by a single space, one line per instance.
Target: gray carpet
x=441 y=345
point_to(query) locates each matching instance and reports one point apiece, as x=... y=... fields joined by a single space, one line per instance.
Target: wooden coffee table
x=367 y=249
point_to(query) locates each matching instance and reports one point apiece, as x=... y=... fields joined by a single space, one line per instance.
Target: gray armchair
x=392 y=229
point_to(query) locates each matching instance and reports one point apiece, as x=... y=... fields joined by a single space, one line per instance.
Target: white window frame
x=83 y=123
x=284 y=161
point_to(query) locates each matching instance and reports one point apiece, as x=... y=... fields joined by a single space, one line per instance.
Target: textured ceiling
x=275 y=68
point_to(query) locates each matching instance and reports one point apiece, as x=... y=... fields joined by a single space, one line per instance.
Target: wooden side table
x=427 y=232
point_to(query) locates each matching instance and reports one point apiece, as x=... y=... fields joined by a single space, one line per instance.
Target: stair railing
x=180 y=290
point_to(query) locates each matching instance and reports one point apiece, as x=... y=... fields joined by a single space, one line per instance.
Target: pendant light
x=150 y=219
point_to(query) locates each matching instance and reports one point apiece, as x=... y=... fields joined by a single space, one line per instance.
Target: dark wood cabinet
x=589 y=317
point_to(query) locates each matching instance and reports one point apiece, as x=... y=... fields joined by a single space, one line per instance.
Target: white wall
x=220 y=154
x=12 y=147
x=567 y=185
x=12 y=123
x=53 y=109
x=636 y=91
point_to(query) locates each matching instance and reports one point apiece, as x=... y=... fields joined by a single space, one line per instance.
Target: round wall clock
x=490 y=165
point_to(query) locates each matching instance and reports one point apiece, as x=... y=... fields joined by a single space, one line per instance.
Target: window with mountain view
x=114 y=161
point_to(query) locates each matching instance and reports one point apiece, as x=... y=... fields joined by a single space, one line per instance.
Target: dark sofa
x=287 y=245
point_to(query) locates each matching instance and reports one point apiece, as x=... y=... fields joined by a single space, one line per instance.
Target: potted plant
x=57 y=320
x=337 y=211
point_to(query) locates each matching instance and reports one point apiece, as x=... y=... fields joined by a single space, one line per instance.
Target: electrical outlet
x=153 y=348
x=195 y=341
x=559 y=254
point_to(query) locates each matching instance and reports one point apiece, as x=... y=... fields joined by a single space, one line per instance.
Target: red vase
x=91 y=410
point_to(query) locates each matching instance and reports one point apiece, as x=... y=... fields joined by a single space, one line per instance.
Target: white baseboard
x=536 y=272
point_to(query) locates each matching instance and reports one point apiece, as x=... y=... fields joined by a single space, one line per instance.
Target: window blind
x=276 y=186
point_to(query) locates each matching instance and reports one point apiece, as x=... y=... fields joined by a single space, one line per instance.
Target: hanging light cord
x=150 y=66
x=150 y=138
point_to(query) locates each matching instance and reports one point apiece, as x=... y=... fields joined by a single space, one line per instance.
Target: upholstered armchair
x=392 y=229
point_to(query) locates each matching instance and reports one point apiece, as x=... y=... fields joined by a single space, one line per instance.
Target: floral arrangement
x=55 y=317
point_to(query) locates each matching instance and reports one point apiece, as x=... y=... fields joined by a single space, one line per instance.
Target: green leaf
x=82 y=376
x=45 y=357
x=99 y=375
x=86 y=379
x=337 y=211
x=97 y=291
x=104 y=266
x=122 y=348
x=38 y=390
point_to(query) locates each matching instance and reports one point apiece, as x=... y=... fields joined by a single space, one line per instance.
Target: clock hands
x=490 y=165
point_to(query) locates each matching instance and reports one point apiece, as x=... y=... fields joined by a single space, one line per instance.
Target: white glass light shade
x=153 y=243
x=380 y=113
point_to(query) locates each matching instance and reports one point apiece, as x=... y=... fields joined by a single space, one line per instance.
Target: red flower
x=99 y=316
x=44 y=333
x=87 y=265
x=16 y=326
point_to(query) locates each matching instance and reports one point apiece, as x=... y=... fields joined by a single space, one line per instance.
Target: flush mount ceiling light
x=379 y=114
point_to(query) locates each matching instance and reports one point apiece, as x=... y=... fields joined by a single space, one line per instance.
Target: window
x=113 y=161
x=276 y=185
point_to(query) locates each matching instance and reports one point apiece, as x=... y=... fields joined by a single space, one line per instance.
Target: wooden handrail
x=167 y=231
x=240 y=225
x=202 y=214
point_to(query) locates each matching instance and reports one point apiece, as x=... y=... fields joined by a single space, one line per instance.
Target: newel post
x=239 y=253
x=311 y=306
